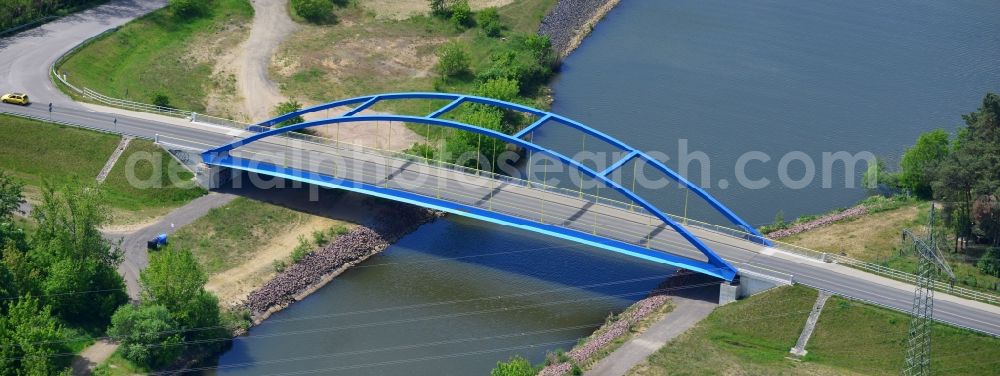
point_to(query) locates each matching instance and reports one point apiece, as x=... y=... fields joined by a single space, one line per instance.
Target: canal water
x=729 y=77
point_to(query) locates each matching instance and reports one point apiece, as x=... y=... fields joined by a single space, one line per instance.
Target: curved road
x=24 y=63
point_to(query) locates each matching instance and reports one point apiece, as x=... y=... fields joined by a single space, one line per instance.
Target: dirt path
x=271 y=25
x=90 y=357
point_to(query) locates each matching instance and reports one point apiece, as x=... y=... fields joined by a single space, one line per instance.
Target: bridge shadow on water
x=455 y=278
x=464 y=240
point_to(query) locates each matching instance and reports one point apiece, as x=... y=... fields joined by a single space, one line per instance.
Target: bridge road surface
x=25 y=59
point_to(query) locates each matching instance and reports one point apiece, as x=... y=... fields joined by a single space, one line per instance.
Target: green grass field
x=753 y=337
x=153 y=55
x=219 y=241
x=157 y=180
x=37 y=152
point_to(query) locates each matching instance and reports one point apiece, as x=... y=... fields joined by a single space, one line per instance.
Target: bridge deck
x=614 y=225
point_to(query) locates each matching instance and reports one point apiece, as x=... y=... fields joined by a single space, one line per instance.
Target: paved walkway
x=91 y=356
x=686 y=313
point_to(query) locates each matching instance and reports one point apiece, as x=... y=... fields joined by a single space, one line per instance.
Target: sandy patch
x=221 y=50
x=370 y=134
x=872 y=237
x=234 y=284
x=403 y=9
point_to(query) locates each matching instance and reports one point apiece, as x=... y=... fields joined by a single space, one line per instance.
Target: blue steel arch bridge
x=632 y=225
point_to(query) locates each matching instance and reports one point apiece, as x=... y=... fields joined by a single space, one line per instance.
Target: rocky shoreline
x=570 y=21
x=318 y=268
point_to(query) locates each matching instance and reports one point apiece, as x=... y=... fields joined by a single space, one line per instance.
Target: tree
x=489 y=20
x=439 y=8
x=501 y=88
x=919 y=161
x=10 y=196
x=516 y=366
x=70 y=255
x=971 y=174
x=174 y=280
x=147 y=334
x=30 y=337
x=452 y=60
x=989 y=263
x=461 y=14
x=189 y=8
x=877 y=178
x=313 y=10
x=527 y=59
x=288 y=107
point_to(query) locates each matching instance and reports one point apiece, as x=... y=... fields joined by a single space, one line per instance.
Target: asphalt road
x=25 y=60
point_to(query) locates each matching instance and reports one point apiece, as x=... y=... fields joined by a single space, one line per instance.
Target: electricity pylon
x=918 y=345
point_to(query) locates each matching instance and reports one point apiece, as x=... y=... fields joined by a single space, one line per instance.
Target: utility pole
x=918 y=344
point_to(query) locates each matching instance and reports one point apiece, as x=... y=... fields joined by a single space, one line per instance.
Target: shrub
x=162 y=101
x=313 y=10
x=527 y=59
x=301 y=250
x=338 y=230
x=189 y=8
x=461 y=15
x=489 y=20
x=501 y=88
x=516 y=366
x=439 y=8
x=319 y=237
x=452 y=60
x=990 y=262
x=285 y=108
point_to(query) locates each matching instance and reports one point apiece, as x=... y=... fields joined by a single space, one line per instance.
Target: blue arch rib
x=544 y=116
x=215 y=156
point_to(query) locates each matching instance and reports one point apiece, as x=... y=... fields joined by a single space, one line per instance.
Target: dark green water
x=728 y=76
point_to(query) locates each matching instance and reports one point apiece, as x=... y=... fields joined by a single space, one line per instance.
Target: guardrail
x=133 y=105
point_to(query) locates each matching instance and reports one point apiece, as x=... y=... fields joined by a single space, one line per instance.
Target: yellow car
x=15 y=98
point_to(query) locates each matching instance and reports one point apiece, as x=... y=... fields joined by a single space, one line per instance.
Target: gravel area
x=314 y=269
x=610 y=332
x=856 y=211
x=571 y=20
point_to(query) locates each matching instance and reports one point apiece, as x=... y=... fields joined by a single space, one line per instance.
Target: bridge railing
x=723 y=230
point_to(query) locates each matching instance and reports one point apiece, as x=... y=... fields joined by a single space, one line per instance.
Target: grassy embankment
x=240 y=246
x=162 y=54
x=37 y=152
x=364 y=54
x=240 y=255
x=876 y=238
x=753 y=336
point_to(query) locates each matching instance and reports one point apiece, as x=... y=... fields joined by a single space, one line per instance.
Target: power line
x=404 y=321
x=392 y=308
x=380 y=349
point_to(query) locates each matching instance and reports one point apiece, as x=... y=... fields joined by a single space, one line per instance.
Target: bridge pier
x=212 y=177
x=749 y=283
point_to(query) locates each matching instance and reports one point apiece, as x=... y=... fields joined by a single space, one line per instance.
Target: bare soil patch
x=403 y=9
x=234 y=284
x=221 y=49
